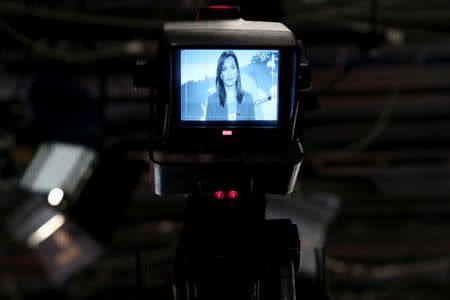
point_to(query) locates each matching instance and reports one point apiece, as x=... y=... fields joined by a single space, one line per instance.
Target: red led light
x=221 y=7
x=227 y=132
x=232 y=194
x=219 y=195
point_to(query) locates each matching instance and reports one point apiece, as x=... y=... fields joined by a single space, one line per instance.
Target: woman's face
x=229 y=72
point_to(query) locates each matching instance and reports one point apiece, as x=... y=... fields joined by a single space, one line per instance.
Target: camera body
x=255 y=150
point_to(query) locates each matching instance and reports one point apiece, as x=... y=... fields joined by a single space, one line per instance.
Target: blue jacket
x=245 y=110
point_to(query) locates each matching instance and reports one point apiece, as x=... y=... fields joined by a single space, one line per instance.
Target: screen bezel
x=284 y=79
x=244 y=132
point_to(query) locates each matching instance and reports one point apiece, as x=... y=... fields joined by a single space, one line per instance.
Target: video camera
x=224 y=104
x=194 y=135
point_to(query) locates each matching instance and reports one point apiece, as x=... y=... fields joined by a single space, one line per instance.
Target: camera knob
x=304 y=81
x=141 y=75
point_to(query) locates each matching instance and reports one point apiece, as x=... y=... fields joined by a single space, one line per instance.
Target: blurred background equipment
x=61 y=246
x=59 y=171
x=376 y=133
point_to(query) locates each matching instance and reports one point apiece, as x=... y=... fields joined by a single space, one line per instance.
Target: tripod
x=229 y=251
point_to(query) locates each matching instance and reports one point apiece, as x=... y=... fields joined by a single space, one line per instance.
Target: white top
x=232 y=108
x=232 y=117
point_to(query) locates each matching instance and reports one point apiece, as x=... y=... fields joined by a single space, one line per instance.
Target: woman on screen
x=230 y=102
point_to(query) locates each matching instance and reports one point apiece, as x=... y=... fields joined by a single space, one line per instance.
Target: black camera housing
x=186 y=154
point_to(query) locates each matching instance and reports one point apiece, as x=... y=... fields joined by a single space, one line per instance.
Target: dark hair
x=219 y=83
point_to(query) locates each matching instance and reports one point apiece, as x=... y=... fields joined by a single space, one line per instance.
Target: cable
x=334 y=14
x=60 y=54
x=18 y=36
x=377 y=128
x=375 y=131
x=388 y=271
x=357 y=24
x=90 y=19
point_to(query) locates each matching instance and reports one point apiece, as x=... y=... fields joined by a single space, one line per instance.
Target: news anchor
x=230 y=102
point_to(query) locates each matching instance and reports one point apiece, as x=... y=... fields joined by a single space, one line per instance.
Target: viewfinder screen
x=229 y=85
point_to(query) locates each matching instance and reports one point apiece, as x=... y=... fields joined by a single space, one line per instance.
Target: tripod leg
x=185 y=290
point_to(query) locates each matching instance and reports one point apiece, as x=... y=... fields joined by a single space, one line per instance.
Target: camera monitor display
x=229 y=85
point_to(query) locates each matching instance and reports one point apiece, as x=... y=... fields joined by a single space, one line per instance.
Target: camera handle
x=228 y=250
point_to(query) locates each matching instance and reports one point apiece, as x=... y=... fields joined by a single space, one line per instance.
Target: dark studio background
x=375 y=129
